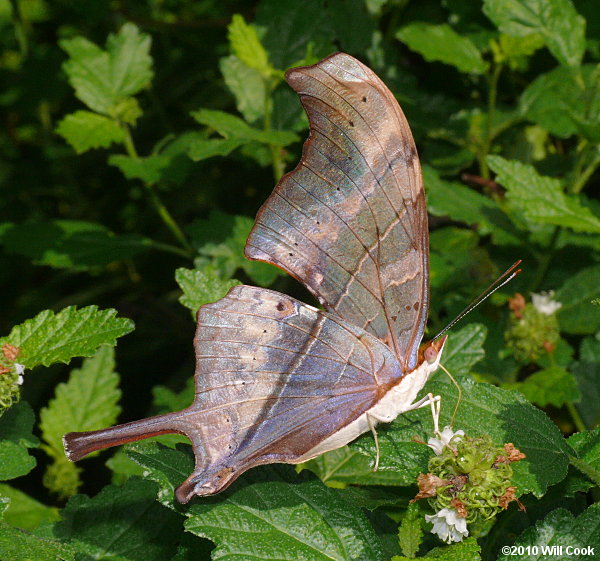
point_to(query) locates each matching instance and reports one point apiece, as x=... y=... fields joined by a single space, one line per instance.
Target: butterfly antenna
x=498 y=283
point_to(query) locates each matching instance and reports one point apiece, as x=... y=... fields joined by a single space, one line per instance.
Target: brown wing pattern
x=350 y=221
x=274 y=377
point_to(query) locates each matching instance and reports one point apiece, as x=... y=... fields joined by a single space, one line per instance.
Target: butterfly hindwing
x=350 y=221
x=274 y=378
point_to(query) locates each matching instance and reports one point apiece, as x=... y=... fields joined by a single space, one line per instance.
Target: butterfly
x=278 y=380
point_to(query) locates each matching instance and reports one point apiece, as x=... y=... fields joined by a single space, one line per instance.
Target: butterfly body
x=278 y=380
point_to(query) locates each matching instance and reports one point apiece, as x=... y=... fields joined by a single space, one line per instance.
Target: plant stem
x=545 y=260
x=583 y=177
x=486 y=145
x=277 y=160
x=165 y=215
x=576 y=417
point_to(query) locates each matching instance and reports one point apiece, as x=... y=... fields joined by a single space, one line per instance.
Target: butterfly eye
x=431 y=354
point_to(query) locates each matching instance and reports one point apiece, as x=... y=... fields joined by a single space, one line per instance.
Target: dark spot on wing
x=416 y=305
x=280 y=306
x=394 y=318
x=408 y=308
x=365 y=99
x=351 y=123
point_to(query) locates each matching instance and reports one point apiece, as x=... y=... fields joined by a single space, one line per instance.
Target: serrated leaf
x=48 y=337
x=202 y=286
x=103 y=79
x=247 y=86
x=562 y=530
x=290 y=26
x=587 y=372
x=85 y=130
x=344 y=466
x=232 y=127
x=458 y=202
x=24 y=511
x=202 y=149
x=222 y=238
x=166 y=466
x=410 y=532
x=148 y=169
x=284 y=521
x=578 y=315
x=16 y=425
x=564 y=102
x=125 y=523
x=551 y=386
x=18 y=545
x=587 y=446
x=484 y=409
x=464 y=348
x=557 y=21
x=541 y=198
x=87 y=401
x=246 y=46
x=467 y=550
x=440 y=43
x=71 y=244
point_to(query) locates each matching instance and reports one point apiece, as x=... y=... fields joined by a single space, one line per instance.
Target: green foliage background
x=139 y=141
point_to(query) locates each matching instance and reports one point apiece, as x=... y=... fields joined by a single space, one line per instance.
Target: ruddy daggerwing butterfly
x=278 y=380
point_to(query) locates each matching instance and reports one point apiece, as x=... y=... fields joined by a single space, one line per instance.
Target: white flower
x=447 y=436
x=20 y=369
x=448 y=525
x=544 y=303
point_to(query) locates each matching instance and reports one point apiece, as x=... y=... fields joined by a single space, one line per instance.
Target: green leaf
x=291 y=26
x=87 y=401
x=232 y=127
x=247 y=86
x=541 y=198
x=467 y=550
x=202 y=286
x=464 y=348
x=564 y=101
x=202 y=149
x=442 y=44
x=24 y=511
x=71 y=244
x=551 y=386
x=148 y=169
x=344 y=466
x=125 y=523
x=289 y=516
x=410 y=532
x=578 y=315
x=557 y=21
x=458 y=202
x=16 y=425
x=104 y=79
x=587 y=446
x=587 y=372
x=246 y=46
x=50 y=337
x=18 y=545
x=222 y=238
x=485 y=409
x=85 y=130
x=167 y=466
x=563 y=530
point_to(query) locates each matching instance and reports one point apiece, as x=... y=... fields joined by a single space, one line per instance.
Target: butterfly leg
x=370 y=419
x=435 y=402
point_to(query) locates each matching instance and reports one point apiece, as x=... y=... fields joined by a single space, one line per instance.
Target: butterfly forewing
x=274 y=378
x=350 y=221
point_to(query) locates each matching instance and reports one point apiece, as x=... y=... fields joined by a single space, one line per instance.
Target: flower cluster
x=11 y=376
x=533 y=328
x=469 y=482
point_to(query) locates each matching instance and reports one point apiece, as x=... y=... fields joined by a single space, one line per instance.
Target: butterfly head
x=431 y=352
